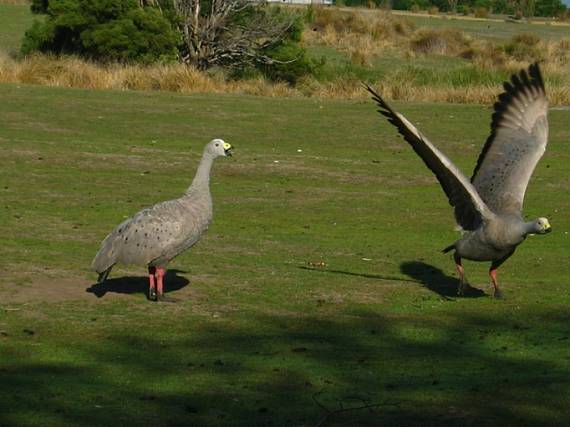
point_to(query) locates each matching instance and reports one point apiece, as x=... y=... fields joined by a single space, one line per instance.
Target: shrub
x=434 y=10
x=39 y=6
x=481 y=12
x=289 y=60
x=310 y=14
x=564 y=16
x=359 y=57
x=524 y=47
x=290 y=63
x=485 y=56
x=415 y=8
x=442 y=42
x=108 y=30
x=463 y=9
x=549 y=8
x=404 y=27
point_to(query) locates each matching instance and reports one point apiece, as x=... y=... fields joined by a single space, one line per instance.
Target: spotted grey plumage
x=154 y=236
x=489 y=206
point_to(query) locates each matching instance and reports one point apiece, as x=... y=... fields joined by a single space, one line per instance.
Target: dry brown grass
x=448 y=41
x=361 y=35
x=74 y=72
x=554 y=56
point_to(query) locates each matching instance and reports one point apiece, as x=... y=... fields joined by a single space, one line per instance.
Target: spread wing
x=470 y=210
x=519 y=132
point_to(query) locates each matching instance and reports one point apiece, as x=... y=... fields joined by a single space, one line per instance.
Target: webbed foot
x=164 y=298
x=498 y=294
x=465 y=289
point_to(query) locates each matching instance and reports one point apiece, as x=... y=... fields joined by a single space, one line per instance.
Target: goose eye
x=217 y=145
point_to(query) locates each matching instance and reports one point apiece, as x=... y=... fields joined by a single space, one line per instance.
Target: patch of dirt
x=48 y=289
x=43 y=290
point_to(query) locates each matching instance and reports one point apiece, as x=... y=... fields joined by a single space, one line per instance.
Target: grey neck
x=201 y=181
x=530 y=228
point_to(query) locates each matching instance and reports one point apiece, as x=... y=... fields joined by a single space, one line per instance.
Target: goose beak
x=228 y=149
x=547 y=227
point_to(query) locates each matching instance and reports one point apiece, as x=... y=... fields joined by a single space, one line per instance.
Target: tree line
x=520 y=8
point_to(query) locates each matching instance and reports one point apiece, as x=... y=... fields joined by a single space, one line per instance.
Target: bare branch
x=221 y=35
x=330 y=413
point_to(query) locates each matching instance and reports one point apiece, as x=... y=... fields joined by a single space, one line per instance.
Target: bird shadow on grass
x=418 y=272
x=351 y=273
x=138 y=284
x=436 y=280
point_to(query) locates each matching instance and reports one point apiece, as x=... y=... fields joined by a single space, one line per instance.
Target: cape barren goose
x=488 y=208
x=154 y=236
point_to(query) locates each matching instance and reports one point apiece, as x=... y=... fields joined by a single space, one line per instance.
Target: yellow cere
x=227 y=146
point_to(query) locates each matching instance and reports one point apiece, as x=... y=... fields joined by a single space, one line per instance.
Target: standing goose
x=156 y=235
x=488 y=208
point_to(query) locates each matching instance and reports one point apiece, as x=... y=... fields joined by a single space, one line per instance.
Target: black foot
x=152 y=294
x=466 y=290
x=165 y=298
x=463 y=288
x=498 y=294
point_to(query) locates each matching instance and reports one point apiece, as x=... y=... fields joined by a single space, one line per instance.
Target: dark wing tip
x=536 y=76
x=379 y=101
x=519 y=82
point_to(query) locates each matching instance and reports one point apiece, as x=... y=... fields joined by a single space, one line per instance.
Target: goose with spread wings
x=489 y=206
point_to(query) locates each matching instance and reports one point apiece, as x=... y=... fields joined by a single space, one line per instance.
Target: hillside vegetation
x=407 y=58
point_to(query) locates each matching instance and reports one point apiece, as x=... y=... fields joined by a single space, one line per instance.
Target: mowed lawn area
x=15 y=20
x=497 y=28
x=319 y=295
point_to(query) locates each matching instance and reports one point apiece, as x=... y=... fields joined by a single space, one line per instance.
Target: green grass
x=14 y=21
x=259 y=337
x=492 y=29
x=433 y=69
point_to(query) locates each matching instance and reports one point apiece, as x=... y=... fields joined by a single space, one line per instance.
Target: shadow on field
x=138 y=284
x=436 y=280
x=351 y=273
x=357 y=368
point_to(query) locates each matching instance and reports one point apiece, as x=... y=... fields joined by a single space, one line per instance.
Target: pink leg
x=152 y=283
x=493 y=275
x=461 y=272
x=160 y=273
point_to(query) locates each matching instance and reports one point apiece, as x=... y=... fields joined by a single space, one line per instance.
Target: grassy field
x=260 y=336
x=493 y=29
x=14 y=21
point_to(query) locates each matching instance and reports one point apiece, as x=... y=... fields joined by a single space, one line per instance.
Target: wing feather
x=470 y=210
x=160 y=232
x=519 y=133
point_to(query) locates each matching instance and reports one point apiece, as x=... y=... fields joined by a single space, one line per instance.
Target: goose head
x=541 y=226
x=218 y=147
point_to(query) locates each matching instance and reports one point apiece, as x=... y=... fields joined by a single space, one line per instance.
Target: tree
x=549 y=8
x=235 y=33
x=108 y=30
x=39 y=6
